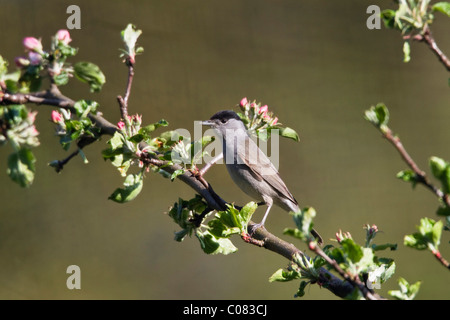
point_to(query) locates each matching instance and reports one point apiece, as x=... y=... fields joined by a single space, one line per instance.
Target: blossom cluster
x=54 y=60
x=21 y=130
x=256 y=116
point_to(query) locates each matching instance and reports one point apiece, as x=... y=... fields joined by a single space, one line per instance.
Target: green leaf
x=438 y=166
x=133 y=186
x=416 y=241
x=176 y=173
x=91 y=74
x=289 y=133
x=282 y=275
x=408 y=176
x=441 y=170
x=379 y=247
x=129 y=37
x=352 y=250
x=61 y=79
x=428 y=236
x=116 y=141
x=407 y=291
x=152 y=127
x=83 y=107
x=213 y=245
x=247 y=212
x=303 y=221
x=301 y=289
x=443 y=7
x=388 y=17
x=21 y=167
x=378 y=115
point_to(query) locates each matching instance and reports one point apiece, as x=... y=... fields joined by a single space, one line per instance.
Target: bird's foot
x=252 y=229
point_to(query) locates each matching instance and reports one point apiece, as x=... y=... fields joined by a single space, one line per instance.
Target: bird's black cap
x=225 y=115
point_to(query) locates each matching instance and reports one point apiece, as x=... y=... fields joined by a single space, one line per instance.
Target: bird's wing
x=263 y=168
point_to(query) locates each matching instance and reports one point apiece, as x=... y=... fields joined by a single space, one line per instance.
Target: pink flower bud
x=121 y=125
x=35 y=58
x=32 y=44
x=64 y=36
x=56 y=116
x=31 y=116
x=21 y=62
x=275 y=120
x=244 y=102
x=263 y=109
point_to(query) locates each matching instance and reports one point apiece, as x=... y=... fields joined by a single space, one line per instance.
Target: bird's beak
x=208 y=123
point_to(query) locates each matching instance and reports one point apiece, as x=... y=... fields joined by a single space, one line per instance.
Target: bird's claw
x=252 y=229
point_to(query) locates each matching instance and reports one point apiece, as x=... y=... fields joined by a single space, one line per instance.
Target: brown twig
x=441 y=259
x=123 y=102
x=420 y=174
x=353 y=279
x=428 y=38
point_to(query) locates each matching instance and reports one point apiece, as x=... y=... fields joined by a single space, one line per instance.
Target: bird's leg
x=210 y=164
x=263 y=221
x=199 y=173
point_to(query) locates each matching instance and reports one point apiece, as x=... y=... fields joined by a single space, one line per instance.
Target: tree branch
x=420 y=174
x=428 y=38
x=123 y=102
x=353 y=279
x=441 y=259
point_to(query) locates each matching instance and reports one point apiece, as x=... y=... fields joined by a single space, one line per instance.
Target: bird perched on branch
x=250 y=168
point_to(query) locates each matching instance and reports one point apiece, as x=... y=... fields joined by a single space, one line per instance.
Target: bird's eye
x=223 y=120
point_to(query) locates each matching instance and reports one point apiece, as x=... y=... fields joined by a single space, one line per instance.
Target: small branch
x=428 y=38
x=123 y=102
x=354 y=280
x=441 y=259
x=54 y=98
x=420 y=175
x=61 y=163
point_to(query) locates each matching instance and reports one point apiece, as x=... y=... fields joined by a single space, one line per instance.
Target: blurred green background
x=313 y=62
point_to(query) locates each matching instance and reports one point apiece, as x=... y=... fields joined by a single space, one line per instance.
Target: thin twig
x=441 y=259
x=353 y=279
x=420 y=174
x=123 y=102
x=428 y=38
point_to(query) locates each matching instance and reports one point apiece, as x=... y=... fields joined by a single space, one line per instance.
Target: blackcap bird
x=249 y=167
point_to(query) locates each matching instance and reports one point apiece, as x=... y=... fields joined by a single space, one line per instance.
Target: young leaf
x=407 y=291
x=443 y=7
x=129 y=37
x=91 y=74
x=378 y=115
x=301 y=289
x=21 y=167
x=152 y=127
x=176 y=173
x=213 y=245
x=289 y=133
x=133 y=186
x=428 y=236
x=282 y=275
x=83 y=107
x=408 y=176
x=303 y=220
